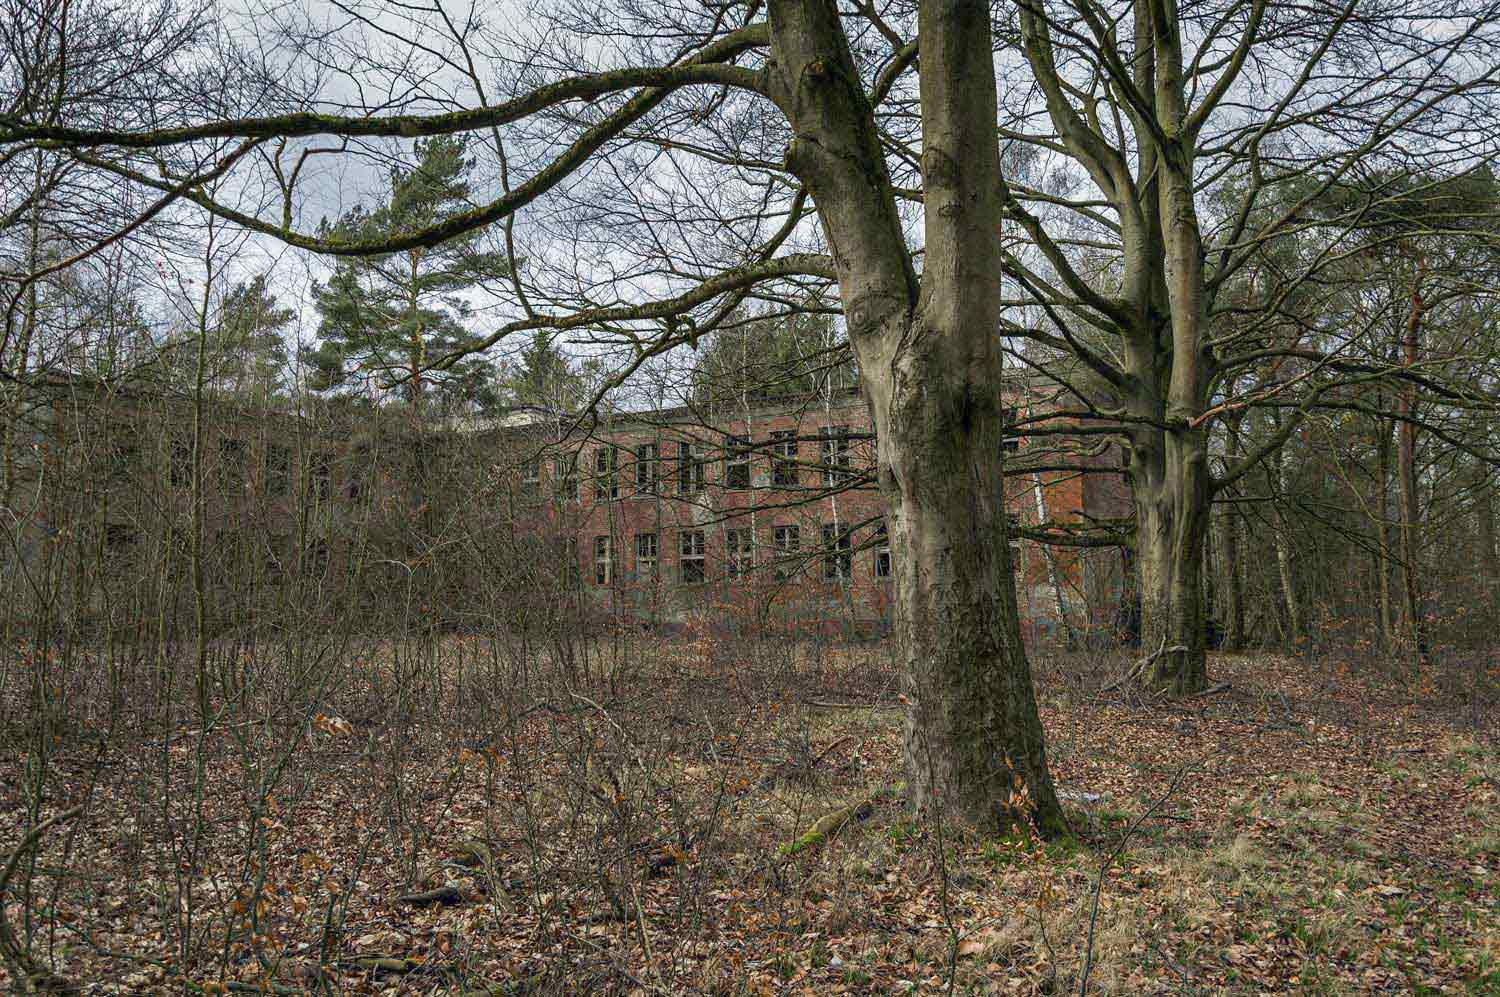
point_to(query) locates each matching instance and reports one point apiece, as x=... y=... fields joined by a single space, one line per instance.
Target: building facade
x=765 y=515
x=769 y=515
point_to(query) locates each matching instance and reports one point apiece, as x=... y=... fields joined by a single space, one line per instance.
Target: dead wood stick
x=445 y=894
x=14 y=952
x=1146 y=662
x=826 y=705
x=830 y=823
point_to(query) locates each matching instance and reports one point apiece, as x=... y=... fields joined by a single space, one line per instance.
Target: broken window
x=692 y=469
x=784 y=458
x=739 y=551
x=737 y=462
x=647 y=554
x=835 y=443
x=566 y=470
x=604 y=560
x=647 y=467
x=180 y=464
x=531 y=476
x=838 y=560
x=316 y=556
x=606 y=473
x=691 y=552
x=319 y=475
x=119 y=540
x=278 y=470
x=788 y=541
x=232 y=463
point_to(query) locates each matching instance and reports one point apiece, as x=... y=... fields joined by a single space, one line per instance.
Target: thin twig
x=1088 y=950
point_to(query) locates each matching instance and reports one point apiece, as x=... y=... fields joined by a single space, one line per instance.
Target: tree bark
x=1171 y=522
x=973 y=737
x=931 y=363
x=1294 y=616
x=1406 y=466
x=1383 y=526
x=1484 y=512
x=1234 y=586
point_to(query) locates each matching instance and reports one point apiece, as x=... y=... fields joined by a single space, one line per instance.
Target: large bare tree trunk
x=1171 y=522
x=931 y=363
x=972 y=731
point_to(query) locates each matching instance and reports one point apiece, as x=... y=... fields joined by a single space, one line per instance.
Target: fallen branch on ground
x=445 y=894
x=826 y=705
x=1143 y=664
x=830 y=823
x=18 y=956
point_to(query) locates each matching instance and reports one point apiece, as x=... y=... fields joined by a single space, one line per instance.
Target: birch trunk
x=1284 y=572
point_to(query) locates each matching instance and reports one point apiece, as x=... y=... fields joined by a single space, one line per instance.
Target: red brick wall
x=780 y=590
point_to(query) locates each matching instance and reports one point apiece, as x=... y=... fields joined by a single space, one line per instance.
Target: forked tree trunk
x=1176 y=500
x=929 y=353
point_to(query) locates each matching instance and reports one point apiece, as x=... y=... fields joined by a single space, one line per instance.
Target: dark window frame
x=607 y=473
x=787 y=540
x=531 y=476
x=565 y=470
x=604 y=559
x=647 y=467
x=836 y=452
x=692 y=469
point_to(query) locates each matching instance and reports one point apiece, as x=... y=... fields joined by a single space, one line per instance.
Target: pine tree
x=386 y=318
x=774 y=357
x=542 y=377
x=252 y=354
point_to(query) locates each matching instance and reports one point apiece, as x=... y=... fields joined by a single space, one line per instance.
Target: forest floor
x=1306 y=829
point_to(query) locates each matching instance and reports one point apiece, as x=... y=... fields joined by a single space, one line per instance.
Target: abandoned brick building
x=765 y=515
x=772 y=511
